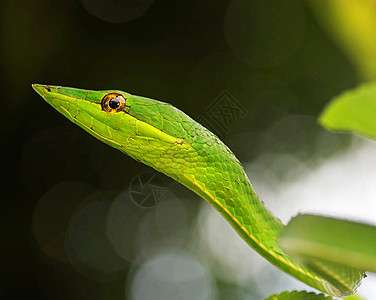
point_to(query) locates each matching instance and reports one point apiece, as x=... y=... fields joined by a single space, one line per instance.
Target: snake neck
x=206 y=166
x=213 y=172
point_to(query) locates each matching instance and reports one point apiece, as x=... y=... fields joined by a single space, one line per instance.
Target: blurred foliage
x=295 y=295
x=352 y=111
x=354 y=297
x=352 y=24
x=303 y=295
x=332 y=240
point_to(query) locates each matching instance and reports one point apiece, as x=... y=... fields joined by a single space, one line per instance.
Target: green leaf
x=321 y=240
x=295 y=295
x=303 y=295
x=354 y=297
x=353 y=111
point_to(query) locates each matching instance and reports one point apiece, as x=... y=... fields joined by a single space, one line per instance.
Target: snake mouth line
x=55 y=99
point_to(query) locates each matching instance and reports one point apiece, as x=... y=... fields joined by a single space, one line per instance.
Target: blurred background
x=80 y=220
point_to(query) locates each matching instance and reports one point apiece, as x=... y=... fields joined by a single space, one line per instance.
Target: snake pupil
x=114 y=103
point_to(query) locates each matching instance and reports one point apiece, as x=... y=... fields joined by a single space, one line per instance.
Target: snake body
x=163 y=137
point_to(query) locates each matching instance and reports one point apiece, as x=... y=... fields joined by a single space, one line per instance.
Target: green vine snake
x=163 y=137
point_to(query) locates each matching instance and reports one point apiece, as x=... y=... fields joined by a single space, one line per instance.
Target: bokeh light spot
x=123 y=220
x=52 y=214
x=116 y=11
x=172 y=275
x=88 y=247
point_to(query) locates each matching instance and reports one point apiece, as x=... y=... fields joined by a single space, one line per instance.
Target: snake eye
x=113 y=103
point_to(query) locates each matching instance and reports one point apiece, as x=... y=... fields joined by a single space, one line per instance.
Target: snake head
x=133 y=124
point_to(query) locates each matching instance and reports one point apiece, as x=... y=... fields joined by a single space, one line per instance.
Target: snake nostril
x=48 y=89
